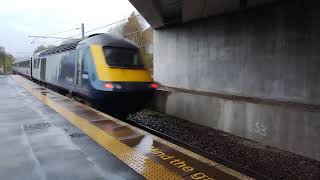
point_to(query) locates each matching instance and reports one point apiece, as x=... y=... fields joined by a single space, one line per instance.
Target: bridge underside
x=161 y=13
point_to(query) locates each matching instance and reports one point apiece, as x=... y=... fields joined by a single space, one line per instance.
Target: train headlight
x=112 y=86
x=108 y=85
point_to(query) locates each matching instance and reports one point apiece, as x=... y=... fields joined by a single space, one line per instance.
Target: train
x=105 y=70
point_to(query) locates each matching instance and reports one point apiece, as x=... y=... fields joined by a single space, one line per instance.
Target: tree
x=2 y=57
x=6 y=60
x=147 y=37
x=134 y=30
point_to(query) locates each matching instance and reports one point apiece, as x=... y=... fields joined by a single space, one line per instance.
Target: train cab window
x=122 y=57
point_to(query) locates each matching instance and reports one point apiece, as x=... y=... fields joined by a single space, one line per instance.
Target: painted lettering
x=201 y=176
x=166 y=157
x=180 y=164
x=198 y=176
x=174 y=161
x=187 y=169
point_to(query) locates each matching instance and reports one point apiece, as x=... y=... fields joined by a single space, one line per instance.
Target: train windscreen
x=122 y=57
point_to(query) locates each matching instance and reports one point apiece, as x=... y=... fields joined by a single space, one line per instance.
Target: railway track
x=244 y=155
x=197 y=150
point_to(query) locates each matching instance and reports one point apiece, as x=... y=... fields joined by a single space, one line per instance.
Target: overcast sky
x=20 y=18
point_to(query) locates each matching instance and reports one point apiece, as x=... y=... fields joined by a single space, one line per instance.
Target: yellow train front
x=105 y=70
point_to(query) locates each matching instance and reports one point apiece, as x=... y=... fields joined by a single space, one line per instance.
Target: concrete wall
x=266 y=52
x=269 y=53
x=292 y=129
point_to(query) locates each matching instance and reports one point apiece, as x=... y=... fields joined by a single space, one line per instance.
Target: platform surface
x=37 y=143
x=45 y=135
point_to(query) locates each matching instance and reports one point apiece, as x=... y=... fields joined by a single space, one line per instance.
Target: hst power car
x=105 y=70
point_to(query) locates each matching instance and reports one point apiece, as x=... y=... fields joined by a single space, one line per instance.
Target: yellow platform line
x=140 y=163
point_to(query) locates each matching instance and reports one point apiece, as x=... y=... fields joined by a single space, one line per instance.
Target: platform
x=45 y=135
x=37 y=143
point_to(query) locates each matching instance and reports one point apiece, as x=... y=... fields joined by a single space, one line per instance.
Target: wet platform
x=37 y=143
x=48 y=136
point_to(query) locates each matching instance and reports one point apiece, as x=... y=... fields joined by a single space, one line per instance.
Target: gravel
x=268 y=162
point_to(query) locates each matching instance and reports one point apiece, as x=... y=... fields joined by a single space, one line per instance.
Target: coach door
x=31 y=67
x=85 y=69
x=43 y=69
x=78 y=67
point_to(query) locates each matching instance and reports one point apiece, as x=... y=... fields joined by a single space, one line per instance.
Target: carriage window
x=35 y=63
x=122 y=57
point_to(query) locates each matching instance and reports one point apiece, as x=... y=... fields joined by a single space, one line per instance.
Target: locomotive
x=105 y=70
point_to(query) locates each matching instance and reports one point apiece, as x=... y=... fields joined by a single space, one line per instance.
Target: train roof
x=38 y=53
x=61 y=48
x=102 y=39
x=108 y=40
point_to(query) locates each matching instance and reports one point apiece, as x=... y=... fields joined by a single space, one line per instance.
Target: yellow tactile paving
x=140 y=163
